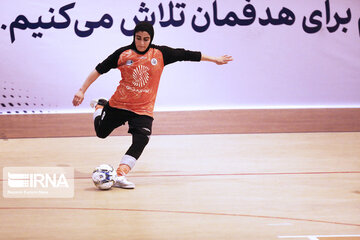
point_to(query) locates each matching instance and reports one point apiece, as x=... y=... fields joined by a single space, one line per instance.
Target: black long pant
x=140 y=126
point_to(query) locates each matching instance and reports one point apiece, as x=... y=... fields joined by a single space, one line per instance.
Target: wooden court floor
x=230 y=186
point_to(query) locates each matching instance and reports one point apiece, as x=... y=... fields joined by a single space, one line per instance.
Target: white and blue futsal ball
x=104 y=176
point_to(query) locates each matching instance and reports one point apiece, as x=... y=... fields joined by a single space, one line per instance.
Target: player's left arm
x=218 y=60
x=172 y=55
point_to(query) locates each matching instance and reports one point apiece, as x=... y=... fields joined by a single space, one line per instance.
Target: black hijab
x=143 y=27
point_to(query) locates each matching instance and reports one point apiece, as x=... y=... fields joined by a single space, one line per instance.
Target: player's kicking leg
x=104 y=123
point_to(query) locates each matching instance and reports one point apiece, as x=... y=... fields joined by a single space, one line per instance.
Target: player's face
x=142 y=40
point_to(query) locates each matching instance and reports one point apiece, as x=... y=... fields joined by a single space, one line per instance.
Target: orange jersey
x=140 y=75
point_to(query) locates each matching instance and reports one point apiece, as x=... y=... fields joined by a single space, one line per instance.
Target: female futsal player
x=141 y=65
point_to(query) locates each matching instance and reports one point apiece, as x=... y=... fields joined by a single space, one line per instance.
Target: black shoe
x=100 y=101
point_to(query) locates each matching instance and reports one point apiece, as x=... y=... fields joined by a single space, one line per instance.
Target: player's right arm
x=109 y=63
x=79 y=96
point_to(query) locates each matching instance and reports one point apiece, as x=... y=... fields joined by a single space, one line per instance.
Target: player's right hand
x=78 y=98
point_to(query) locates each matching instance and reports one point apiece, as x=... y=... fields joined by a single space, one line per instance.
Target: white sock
x=128 y=160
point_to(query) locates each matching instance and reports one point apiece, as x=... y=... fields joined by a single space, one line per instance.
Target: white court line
x=315 y=237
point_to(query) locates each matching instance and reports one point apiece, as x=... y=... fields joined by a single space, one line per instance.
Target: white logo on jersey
x=140 y=76
x=129 y=62
x=154 y=61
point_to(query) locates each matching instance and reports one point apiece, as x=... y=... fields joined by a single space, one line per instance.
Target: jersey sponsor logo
x=154 y=61
x=129 y=62
x=137 y=90
x=140 y=76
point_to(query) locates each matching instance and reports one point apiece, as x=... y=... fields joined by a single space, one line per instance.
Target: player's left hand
x=223 y=59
